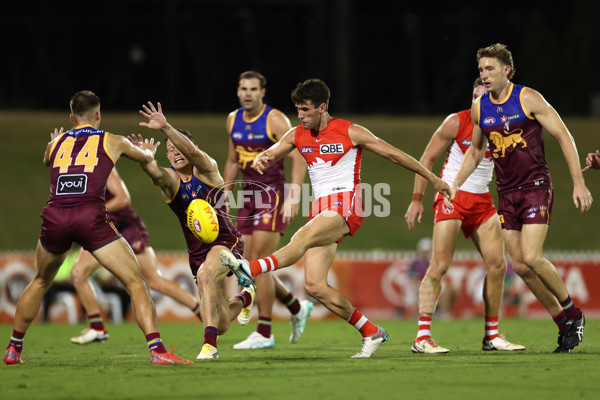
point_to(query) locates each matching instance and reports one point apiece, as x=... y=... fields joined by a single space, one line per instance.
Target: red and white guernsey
x=479 y=180
x=333 y=161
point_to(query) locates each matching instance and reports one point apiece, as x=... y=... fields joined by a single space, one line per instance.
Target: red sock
x=263 y=265
x=491 y=328
x=360 y=322
x=424 y=331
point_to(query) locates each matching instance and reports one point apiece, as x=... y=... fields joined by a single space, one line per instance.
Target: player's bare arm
x=438 y=144
x=202 y=162
x=165 y=178
x=547 y=116
x=121 y=197
x=232 y=168
x=362 y=137
x=121 y=146
x=473 y=156
x=275 y=153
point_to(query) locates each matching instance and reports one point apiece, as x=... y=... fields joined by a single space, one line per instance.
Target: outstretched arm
x=203 y=163
x=441 y=139
x=275 y=153
x=165 y=178
x=362 y=137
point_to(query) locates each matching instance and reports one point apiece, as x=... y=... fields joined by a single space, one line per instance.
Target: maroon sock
x=264 y=326
x=561 y=321
x=292 y=303
x=210 y=335
x=96 y=322
x=16 y=340
x=155 y=342
x=569 y=308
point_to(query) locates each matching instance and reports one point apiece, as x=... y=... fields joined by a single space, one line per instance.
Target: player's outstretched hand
x=56 y=133
x=584 y=197
x=261 y=163
x=139 y=141
x=156 y=118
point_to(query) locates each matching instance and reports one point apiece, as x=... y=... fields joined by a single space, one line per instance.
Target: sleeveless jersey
x=250 y=138
x=333 y=161
x=479 y=180
x=193 y=189
x=516 y=141
x=80 y=164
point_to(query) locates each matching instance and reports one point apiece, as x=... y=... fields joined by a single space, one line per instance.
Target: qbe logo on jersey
x=333 y=148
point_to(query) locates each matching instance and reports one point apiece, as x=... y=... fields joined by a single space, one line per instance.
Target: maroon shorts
x=87 y=224
x=473 y=209
x=347 y=204
x=525 y=206
x=261 y=210
x=136 y=234
x=235 y=244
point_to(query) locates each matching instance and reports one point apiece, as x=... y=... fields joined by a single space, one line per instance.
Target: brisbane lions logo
x=502 y=142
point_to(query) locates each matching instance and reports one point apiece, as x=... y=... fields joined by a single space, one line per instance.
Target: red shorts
x=473 y=209
x=136 y=235
x=347 y=204
x=87 y=224
x=525 y=206
x=262 y=211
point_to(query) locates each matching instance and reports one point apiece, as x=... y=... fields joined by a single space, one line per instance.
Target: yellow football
x=202 y=221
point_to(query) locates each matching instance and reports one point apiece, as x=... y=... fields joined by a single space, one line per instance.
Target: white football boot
x=208 y=352
x=370 y=344
x=427 y=346
x=89 y=336
x=256 y=341
x=240 y=268
x=499 y=343
x=298 y=321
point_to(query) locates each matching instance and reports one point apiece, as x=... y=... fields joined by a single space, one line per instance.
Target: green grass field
x=318 y=367
x=25 y=190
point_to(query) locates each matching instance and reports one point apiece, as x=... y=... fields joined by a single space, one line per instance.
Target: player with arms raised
x=80 y=162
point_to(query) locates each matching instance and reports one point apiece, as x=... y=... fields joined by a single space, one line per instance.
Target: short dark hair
x=83 y=101
x=254 y=75
x=314 y=90
x=501 y=52
x=477 y=82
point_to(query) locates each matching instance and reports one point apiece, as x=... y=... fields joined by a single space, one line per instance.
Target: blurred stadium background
x=396 y=68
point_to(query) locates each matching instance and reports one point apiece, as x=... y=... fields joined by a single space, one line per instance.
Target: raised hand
x=156 y=118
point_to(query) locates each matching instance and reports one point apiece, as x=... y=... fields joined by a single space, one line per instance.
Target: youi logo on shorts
x=331 y=148
x=489 y=121
x=71 y=184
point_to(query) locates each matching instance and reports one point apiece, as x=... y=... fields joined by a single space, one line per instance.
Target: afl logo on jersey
x=333 y=148
x=489 y=121
x=236 y=135
x=466 y=142
x=306 y=150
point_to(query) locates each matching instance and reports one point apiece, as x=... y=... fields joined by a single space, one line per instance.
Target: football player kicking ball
x=332 y=148
x=80 y=162
x=194 y=174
